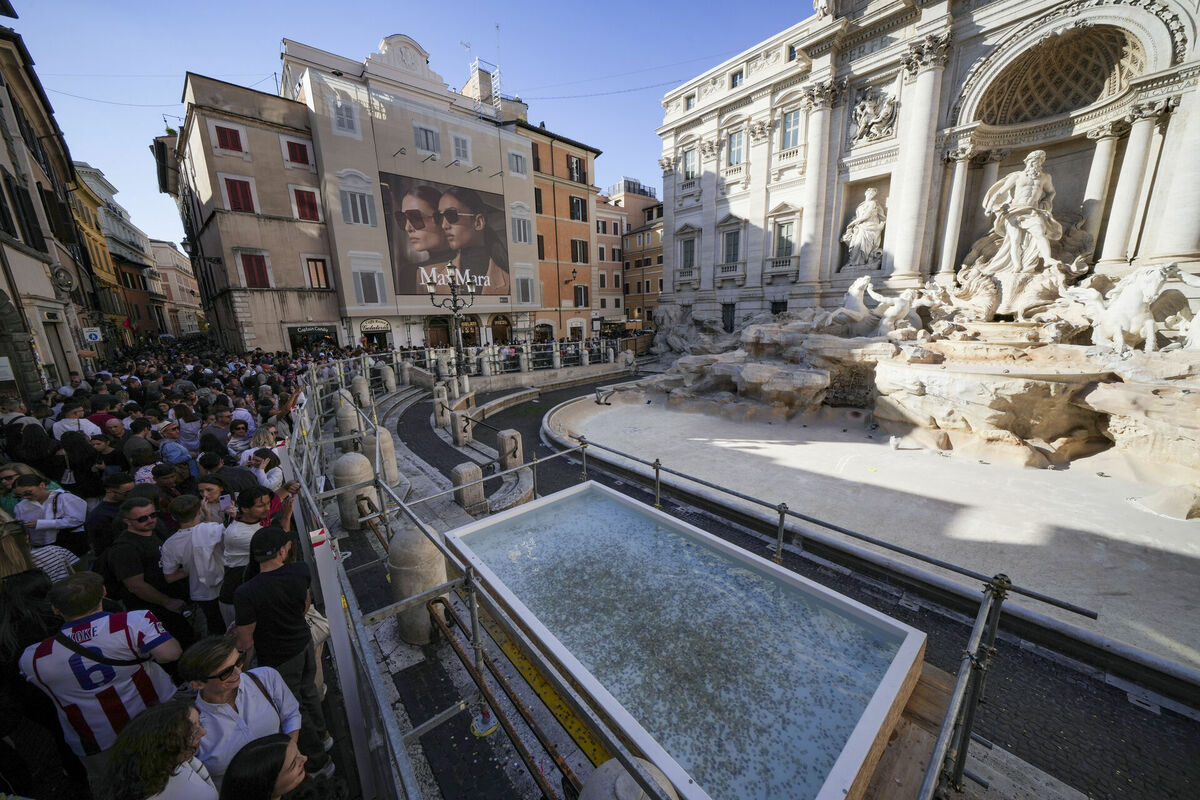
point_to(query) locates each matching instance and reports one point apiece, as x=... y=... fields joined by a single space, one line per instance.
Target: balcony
x=730 y=271
x=687 y=276
x=736 y=171
x=784 y=268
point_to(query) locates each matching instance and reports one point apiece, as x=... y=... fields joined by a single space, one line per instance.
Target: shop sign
x=374 y=325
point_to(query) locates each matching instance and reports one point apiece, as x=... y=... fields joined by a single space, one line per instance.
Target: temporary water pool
x=738 y=678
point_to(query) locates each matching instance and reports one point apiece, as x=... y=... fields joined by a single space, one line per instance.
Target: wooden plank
x=901 y=768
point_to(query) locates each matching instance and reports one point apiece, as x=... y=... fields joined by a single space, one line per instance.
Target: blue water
x=751 y=684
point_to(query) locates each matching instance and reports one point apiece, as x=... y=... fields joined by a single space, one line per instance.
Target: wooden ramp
x=901 y=768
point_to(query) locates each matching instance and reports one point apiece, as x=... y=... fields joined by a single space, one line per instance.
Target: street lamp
x=455 y=303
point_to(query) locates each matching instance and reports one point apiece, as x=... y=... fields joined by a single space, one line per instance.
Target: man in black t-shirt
x=133 y=564
x=269 y=610
x=101 y=520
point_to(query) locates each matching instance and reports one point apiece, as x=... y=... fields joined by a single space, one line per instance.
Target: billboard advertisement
x=432 y=225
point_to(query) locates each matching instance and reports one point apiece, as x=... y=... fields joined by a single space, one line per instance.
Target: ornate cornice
x=1153 y=109
x=1109 y=130
x=868 y=160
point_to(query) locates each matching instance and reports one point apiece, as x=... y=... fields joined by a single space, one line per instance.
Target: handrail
x=937 y=562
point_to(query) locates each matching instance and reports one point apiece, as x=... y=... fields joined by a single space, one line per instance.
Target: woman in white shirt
x=265 y=466
x=154 y=757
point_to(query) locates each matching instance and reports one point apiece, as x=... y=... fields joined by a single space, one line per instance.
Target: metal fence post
x=782 y=508
x=658 y=483
x=583 y=444
x=998 y=588
x=535 y=465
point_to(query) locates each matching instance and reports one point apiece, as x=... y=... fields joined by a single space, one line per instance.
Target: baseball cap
x=266 y=543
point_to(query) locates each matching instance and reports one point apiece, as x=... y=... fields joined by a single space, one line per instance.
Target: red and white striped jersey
x=95 y=700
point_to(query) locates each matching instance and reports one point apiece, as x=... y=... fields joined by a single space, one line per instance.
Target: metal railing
x=379 y=744
x=948 y=762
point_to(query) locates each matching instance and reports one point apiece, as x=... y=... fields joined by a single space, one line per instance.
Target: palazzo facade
x=862 y=141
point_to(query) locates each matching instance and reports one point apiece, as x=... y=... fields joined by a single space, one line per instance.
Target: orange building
x=565 y=207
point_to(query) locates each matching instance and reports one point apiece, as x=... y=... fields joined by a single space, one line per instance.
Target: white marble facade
x=768 y=157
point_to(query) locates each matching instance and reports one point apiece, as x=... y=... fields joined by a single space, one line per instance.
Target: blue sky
x=595 y=73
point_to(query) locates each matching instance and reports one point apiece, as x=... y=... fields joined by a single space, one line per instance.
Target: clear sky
x=593 y=72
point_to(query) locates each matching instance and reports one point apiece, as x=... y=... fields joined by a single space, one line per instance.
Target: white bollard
x=349 y=469
x=387 y=454
x=415 y=566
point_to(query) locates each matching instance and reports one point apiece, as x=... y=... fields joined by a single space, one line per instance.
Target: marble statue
x=853 y=311
x=1029 y=255
x=822 y=8
x=864 y=233
x=1124 y=318
x=1021 y=203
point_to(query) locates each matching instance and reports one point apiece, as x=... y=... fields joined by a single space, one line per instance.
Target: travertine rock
x=1155 y=422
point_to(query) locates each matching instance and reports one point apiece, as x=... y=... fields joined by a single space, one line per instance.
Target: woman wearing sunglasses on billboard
x=462 y=215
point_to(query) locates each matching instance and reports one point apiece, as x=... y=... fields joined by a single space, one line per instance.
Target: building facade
x=565 y=204
x=182 y=293
x=243 y=171
x=47 y=290
x=327 y=214
x=133 y=263
x=111 y=308
x=643 y=266
x=611 y=220
x=908 y=113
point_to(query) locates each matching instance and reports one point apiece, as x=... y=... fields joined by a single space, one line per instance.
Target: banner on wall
x=432 y=226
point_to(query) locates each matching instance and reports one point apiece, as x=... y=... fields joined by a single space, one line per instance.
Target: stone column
x=820 y=97
x=1142 y=119
x=991 y=170
x=1095 y=196
x=954 y=212
x=926 y=59
x=1179 y=228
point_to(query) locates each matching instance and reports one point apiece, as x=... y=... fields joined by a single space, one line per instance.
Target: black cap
x=266 y=543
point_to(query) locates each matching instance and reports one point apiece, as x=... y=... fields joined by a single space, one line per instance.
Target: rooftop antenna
x=470 y=75
x=496 y=76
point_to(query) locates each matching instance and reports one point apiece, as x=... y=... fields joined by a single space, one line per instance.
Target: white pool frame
x=847 y=778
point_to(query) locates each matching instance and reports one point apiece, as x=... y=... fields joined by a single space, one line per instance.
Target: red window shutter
x=297 y=152
x=254 y=266
x=229 y=139
x=240 y=198
x=306 y=205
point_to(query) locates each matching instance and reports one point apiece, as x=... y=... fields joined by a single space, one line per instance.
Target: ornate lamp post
x=455 y=303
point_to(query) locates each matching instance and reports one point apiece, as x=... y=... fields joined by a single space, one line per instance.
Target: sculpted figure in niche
x=873 y=119
x=1021 y=203
x=822 y=7
x=864 y=233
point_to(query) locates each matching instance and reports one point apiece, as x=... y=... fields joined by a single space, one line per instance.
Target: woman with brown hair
x=16 y=555
x=154 y=757
x=479 y=252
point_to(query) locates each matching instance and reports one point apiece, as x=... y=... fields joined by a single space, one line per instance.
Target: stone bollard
x=389 y=378
x=348 y=469
x=610 y=356
x=443 y=367
x=556 y=358
x=585 y=357
x=611 y=781
x=512 y=451
x=464 y=384
x=523 y=361
x=415 y=565
x=485 y=362
x=406 y=373
x=387 y=454
x=441 y=411
x=471 y=498
x=346 y=416
x=629 y=357
x=360 y=387
x=462 y=428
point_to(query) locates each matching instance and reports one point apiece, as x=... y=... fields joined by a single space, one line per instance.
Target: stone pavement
x=1040 y=710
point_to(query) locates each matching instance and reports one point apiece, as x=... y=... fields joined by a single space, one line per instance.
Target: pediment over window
x=686 y=228
x=728 y=220
x=783 y=209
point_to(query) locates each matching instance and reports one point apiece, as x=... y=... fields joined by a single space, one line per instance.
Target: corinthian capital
x=823 y=94
x=1109 y=130
x=929 y=52
x=1152 y=109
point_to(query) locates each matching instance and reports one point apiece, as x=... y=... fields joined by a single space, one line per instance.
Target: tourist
x=138 y=443
x=17 y=555
x=121 y=662
x=154 y=757
x=196 y=549
x=171 y=450
x=265 y=466
x=133 y=565
x=39 y=450
x=270 y=616
x=100 y=522
x=263 y=437
x=53 y=516
x=83 y=476
x=220 y=427
x=254 y=509
x=72 y=419
x=233 y=710
x=8 y=477
x=239 y=437
x=265 y=769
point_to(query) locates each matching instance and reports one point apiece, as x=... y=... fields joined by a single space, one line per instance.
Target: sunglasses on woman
x=417 y=220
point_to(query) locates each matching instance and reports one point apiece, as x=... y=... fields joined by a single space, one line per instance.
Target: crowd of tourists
x=152 y=590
